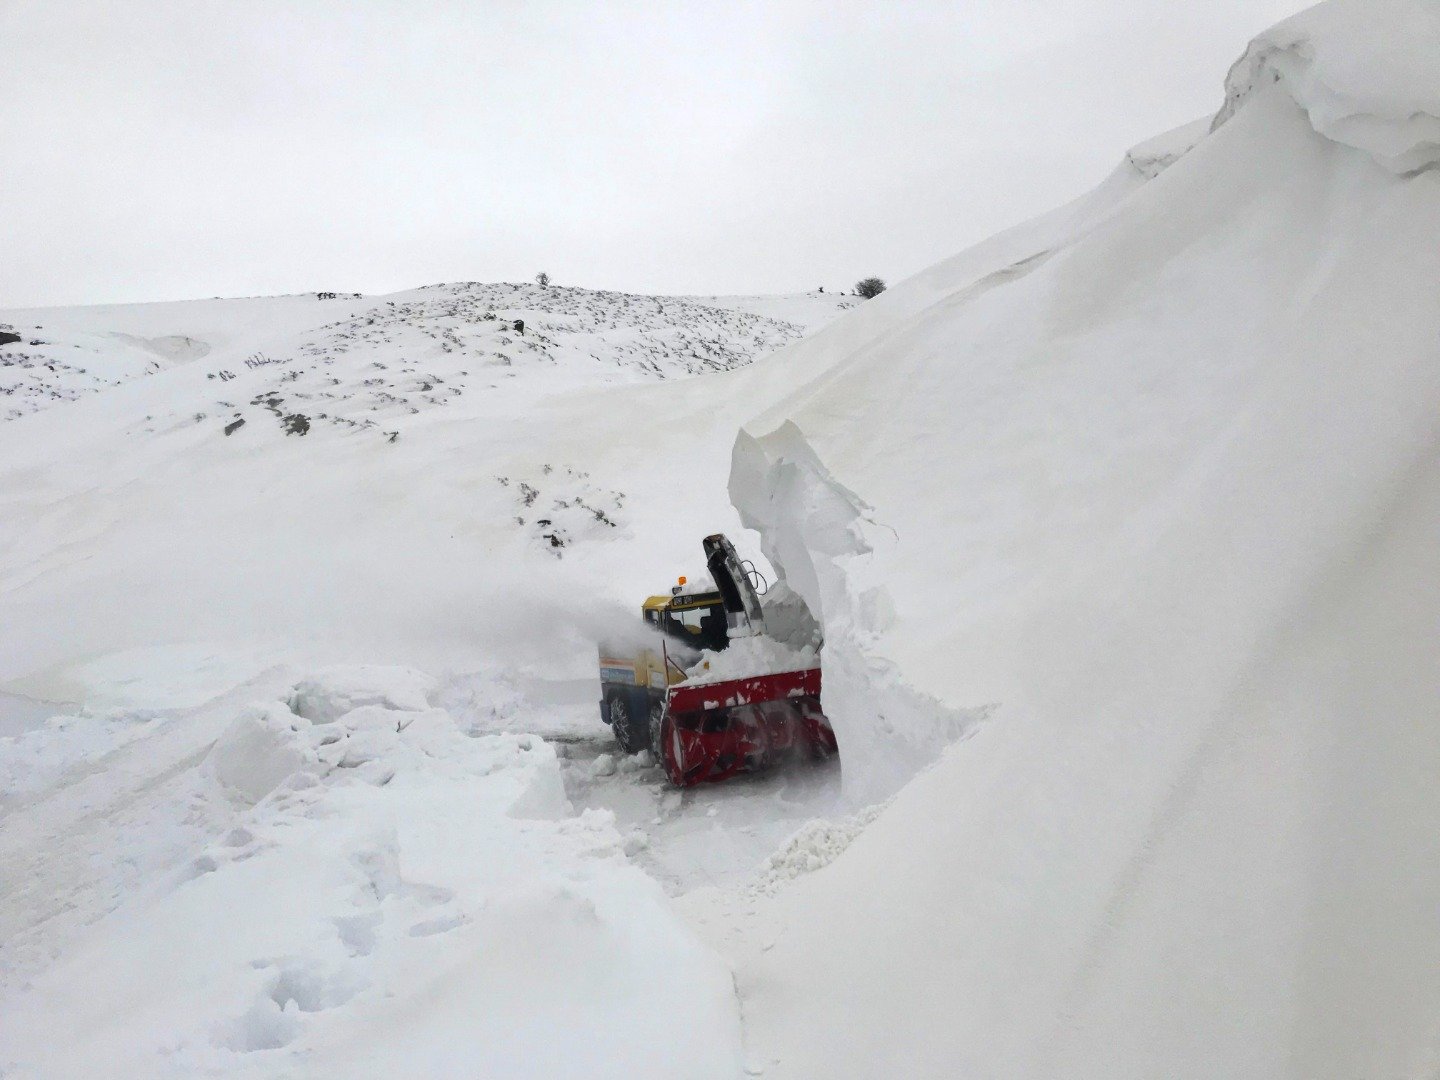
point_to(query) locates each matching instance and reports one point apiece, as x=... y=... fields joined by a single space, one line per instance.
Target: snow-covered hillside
x=356 y=465
x=1121 y=527
x=372 y=370
x=185 y=558
x=61 y=354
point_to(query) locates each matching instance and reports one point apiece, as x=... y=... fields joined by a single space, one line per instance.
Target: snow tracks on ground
x=325 y=876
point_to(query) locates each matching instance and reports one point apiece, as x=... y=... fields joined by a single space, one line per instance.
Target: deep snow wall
x=1167 y=493
x=822 y=538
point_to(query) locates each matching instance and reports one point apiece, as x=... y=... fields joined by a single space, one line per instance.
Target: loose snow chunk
x=258 y=752
x=542 y=797
x=335 y=691
x=1365 y=71
x=816 y=845
x=751 y=656
x=635 y=762
x=788 y=618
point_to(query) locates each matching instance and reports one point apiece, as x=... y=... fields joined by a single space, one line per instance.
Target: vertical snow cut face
x=822 y=539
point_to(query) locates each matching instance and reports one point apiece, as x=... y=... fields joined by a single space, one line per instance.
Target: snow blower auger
x=708 y=690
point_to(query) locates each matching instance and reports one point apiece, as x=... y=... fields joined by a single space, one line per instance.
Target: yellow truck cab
x=694 y=619
x=634 y=680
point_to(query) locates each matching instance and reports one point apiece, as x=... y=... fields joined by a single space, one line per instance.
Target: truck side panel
x=631 y=677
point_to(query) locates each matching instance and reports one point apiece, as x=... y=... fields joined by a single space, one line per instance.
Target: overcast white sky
x=166 y=149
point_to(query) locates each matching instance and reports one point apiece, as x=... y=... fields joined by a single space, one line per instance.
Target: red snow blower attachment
x=713 y=693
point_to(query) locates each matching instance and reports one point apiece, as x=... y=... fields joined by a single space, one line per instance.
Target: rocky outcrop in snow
x=350 y=357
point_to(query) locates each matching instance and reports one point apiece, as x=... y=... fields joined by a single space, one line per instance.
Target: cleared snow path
x=712 y=835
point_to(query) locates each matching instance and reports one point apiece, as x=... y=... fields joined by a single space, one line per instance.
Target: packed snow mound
x=823 y=538
x=380 y=479
x=336 y=691
x=746 y=656
x=391 y=897
x=1158 y=477
x=257 y=753
x=813 y=847
x=1364 y=71
x=175 y=348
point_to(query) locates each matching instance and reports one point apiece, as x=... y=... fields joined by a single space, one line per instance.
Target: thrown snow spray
x=820 y=537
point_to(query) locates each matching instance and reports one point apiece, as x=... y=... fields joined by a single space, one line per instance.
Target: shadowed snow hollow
x=1160 y=476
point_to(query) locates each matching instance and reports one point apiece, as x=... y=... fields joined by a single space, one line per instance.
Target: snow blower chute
x=712 y=691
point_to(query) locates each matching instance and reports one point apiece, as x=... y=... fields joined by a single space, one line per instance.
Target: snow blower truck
x=708 y=687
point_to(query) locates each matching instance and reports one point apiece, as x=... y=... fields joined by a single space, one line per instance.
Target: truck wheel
x=631 y=732
x=657 y=721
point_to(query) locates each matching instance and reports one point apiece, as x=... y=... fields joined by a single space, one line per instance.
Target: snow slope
x=392 y=874
x=66 y=353
x=1164 y=485
x=367 y=487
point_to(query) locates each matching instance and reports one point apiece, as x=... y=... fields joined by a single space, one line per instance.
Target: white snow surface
x=377 y=894
x=1119 y=528
x=366 y=478
x=291 y=715
x=1163 y=485
x=745 y=656
x=1154 y=156
x=1364 y=71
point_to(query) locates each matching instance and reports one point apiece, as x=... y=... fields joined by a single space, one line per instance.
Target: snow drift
x=1159 y=475
x=245 y=847
x=1368 y=82
x=376 y=893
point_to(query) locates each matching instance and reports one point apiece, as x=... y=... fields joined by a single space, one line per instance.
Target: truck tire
x=631 y=732
x=655 y=727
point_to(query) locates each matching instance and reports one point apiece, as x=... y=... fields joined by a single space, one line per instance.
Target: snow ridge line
x=1359 y=88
